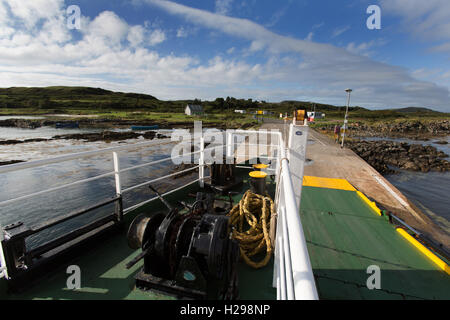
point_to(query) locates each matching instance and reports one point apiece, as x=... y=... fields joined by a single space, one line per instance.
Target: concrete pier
x=327 y=159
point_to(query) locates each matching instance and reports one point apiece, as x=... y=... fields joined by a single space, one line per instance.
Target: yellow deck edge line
x=444 y=266
x=327 y=183
x=371 y=204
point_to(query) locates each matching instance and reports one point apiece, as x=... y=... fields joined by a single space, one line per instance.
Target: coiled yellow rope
x=257 y=211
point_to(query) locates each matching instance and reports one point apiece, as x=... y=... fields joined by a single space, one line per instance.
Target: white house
x=193 y=110
x=316 y=115
x=240 y=111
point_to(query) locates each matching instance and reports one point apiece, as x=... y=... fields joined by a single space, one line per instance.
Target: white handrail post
x=117 y=173
x=290 y=294
x=230 y=144
x=3 y=269
x=281 y=263
x=201 y=162
x=304 y=282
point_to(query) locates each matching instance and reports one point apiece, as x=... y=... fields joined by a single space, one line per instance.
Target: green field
x=131 y=106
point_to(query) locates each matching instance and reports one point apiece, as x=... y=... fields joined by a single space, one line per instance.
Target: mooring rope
x=256 y=211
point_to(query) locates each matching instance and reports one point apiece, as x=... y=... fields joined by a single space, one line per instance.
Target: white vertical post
x=201 y=162
x=117 y=173
x=3 y=269
x=298 y=139
x=230 y=144
x=349 y=91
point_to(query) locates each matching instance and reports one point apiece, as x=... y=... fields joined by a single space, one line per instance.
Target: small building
x=193 y=110
x=240 y=111
x=316 y=115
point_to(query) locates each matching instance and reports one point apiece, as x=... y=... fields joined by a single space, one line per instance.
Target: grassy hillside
x=73 y=98
x=108 y=104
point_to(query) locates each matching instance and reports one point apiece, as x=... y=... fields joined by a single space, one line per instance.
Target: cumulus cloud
x=136 y=35
x=316 y=65
x=109 y=27
x=29 y=13
x=115 y=55
x=156 y=37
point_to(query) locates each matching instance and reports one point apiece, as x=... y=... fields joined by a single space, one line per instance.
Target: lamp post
x=349 y=91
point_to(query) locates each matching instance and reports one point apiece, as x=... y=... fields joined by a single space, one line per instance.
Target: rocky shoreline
x=5 y=163
x=411 y=129
x=110 y=123
x=384 y=155
x=107 y=136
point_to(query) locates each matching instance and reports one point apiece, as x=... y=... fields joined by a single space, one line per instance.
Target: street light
x=349 y=91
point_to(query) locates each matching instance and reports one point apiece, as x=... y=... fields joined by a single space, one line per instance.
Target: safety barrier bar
x=3 y=269
x=293 y=272
x=294 y=277
x=115 y=173
x=80 y=155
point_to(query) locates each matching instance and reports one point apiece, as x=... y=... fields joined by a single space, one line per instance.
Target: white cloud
x=107 y=26
x=182 y=33
x=429 y=19
x=31 y=12
x=156 y=37
x=125 y=60
x=318 y=25
x=186 y=31
x=315 y=65
x=310 y=36
x=338 y=31
x=223 y=7
x=136 y=36
x=231 y=50
x=276 y=17
x=364 y=47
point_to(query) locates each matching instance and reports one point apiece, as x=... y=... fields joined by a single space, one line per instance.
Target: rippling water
x=41 y=208
x=428 y=191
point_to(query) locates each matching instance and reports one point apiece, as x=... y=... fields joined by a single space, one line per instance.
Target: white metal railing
x=293 y=275
x=3 y=269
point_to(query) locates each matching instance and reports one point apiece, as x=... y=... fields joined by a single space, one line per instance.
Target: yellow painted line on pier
x=371 y=204
x=441 y=264
x=327 y=183
x=340 y=184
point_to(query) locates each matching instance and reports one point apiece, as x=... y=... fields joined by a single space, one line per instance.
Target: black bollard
x=258 y=182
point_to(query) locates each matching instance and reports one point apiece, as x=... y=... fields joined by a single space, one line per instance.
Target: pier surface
x=327 y=159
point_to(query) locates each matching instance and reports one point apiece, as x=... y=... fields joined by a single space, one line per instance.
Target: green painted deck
x=345 y=236
x=104 y=276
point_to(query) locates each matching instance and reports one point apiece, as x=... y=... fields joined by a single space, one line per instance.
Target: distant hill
x=73 y=97
x=62 y=99
x=319 y=106
x=68 y=92
x=416 y=109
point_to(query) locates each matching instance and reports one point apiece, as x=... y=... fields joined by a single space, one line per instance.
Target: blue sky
x=260 y=49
